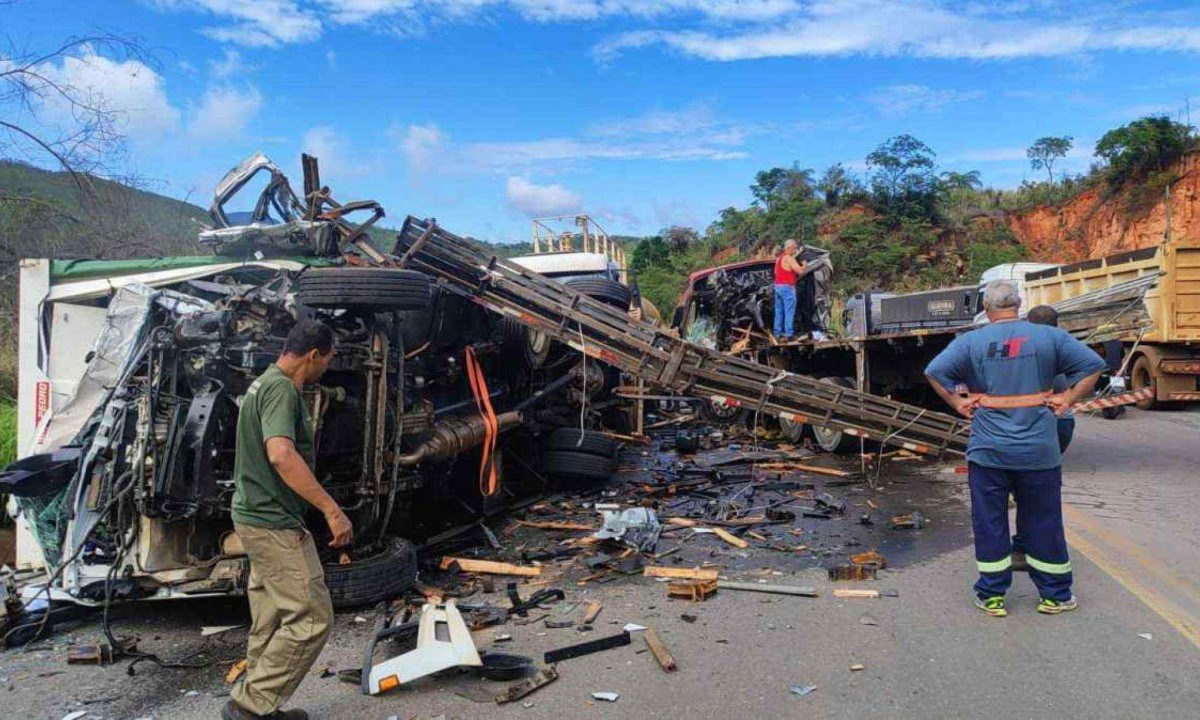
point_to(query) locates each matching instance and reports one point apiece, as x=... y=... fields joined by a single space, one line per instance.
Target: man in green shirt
x=290 y=608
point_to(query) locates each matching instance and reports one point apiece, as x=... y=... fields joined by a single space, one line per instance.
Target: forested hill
x=907 y=224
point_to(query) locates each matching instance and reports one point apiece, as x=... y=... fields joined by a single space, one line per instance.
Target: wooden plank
x=665 y=660
x=554 y=525
x=489 y=566
x=765 y=588
x=680 y=573
x=592 y=612
x=730 y=538
x=816 y=470
x=852 y=593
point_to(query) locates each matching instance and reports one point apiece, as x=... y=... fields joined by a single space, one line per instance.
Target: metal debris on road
x=802 y=690
x=587 y=648
x=541 y=679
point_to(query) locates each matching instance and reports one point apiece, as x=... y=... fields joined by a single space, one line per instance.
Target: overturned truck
x=434 y=414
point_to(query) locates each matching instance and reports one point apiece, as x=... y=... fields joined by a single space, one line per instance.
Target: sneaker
x=993 y=606
x=1054 y=607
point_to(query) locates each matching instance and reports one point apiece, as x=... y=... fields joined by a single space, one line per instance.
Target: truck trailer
x=1165 y=356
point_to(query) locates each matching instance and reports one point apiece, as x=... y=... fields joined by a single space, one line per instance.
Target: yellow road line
x=1176 y=616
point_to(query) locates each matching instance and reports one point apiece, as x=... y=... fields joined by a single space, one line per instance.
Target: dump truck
x=1166 y=355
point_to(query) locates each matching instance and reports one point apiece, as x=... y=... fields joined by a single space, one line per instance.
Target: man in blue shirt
x=1008 y=367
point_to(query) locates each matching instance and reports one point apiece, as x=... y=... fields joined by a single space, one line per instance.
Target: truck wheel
x=378 y=288
x=1142 y=376
x=791 y=430
x=568 y=440
x=524 y=346
x=377 y=577
x=714 y=414
x=606 y=291
x=577 y=469
x=832 y=440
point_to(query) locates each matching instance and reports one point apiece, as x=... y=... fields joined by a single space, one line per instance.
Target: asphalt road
x=1132 y=650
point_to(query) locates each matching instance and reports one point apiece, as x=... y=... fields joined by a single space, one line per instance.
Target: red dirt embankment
x=1094 y=224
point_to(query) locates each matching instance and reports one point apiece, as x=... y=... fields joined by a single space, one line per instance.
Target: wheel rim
x=827 y=438
x=538 y=342
x=791 y=430
x=723 y=411
x=1141 y=377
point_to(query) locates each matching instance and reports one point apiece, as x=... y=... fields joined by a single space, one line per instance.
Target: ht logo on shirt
x=1008 y=349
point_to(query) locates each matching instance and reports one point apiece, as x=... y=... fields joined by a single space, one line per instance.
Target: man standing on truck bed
x=290 y=608
x=1009 y=366
x=787 y=271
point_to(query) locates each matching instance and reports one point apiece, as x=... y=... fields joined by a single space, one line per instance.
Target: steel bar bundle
x=609 y=335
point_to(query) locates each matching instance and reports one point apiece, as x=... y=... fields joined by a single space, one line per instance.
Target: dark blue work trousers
x=1039 y=525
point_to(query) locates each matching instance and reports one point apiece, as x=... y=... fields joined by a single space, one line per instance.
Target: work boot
x=233 y=711
x=1018 y=562
x=993 y=606
x=1054 y=607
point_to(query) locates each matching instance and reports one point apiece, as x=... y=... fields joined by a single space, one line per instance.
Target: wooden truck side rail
x=609 y=335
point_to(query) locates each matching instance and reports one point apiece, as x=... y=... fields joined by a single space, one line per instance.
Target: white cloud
x=897 y=100
x=420 y=145
x=690 y=134
x=331 y=59
x=728 y=30
x=131 y=90
x=255 y=23
x=916 y=28
x=552 y=150
x=229 y=66
x=224 y=112
x=359 y=11
x=339 y=159
x=541 y=200
x=659 y=122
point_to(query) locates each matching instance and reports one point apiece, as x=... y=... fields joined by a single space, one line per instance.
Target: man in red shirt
x=787 y=271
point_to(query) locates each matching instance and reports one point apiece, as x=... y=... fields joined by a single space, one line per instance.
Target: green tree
x=781 y=185
x=1045 y=151
x=838 y=186
x=680 y=238
x=1149 y=144
x=649 y=252
x=958 y=182
x=903 y=178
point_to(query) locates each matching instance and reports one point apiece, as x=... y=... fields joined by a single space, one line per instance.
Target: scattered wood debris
x=489 y=566
x=680 y=573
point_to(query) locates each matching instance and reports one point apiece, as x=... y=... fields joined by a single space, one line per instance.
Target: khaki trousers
x=290 y=615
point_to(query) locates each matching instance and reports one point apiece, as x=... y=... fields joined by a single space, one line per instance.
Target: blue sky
x=483 y=113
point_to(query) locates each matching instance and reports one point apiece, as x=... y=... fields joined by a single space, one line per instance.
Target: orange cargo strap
x=489 y=481
x=1009 y=402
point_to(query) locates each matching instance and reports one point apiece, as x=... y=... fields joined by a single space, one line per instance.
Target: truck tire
x=375 y=578
x=577 y=469
x=715 y=414
x=604 y=290
x=829 y=439
x=792 y=431
x=376 y=288
x=568 y=440
x=1140 y=376
x=523 y=346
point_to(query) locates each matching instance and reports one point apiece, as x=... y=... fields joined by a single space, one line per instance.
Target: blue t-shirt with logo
x=1013 y=358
